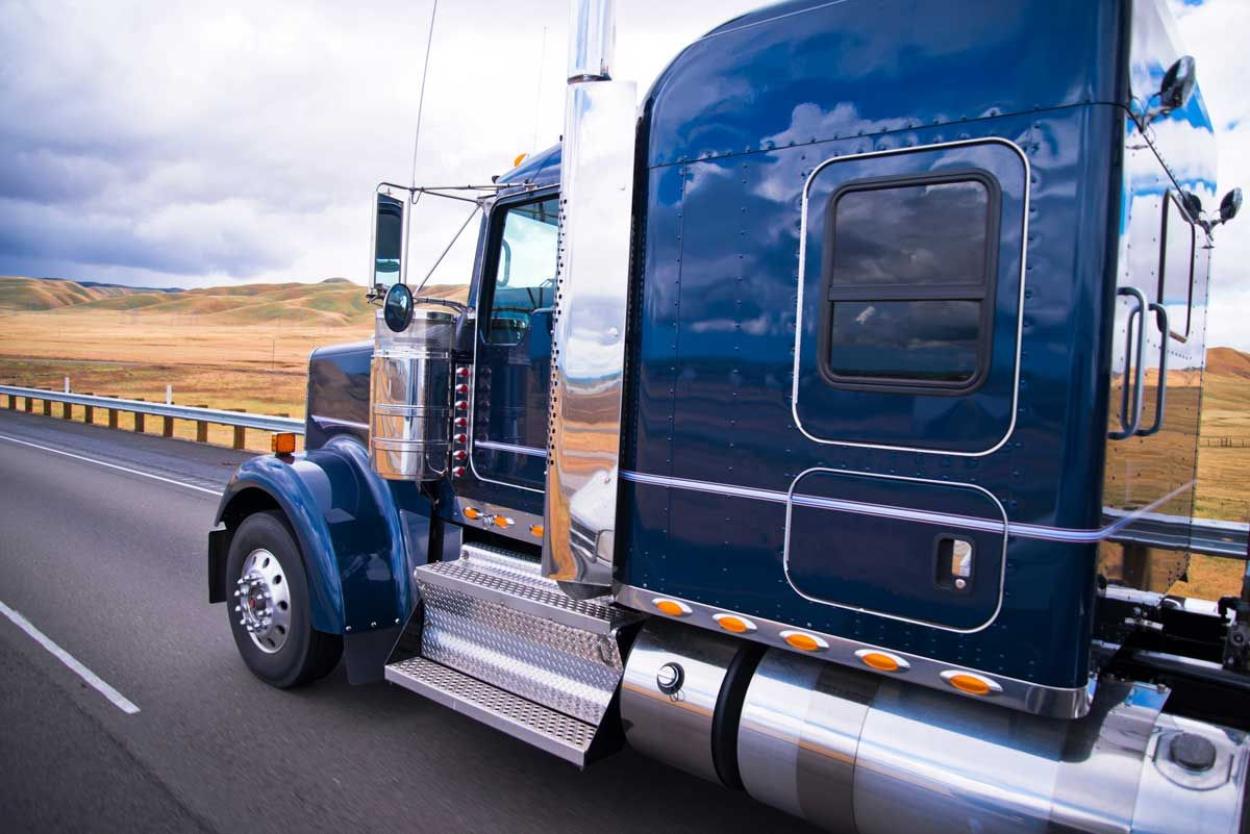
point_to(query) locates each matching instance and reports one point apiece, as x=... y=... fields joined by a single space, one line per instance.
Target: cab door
x=513 y=344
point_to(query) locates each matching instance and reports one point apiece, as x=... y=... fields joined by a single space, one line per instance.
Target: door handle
x=1130 y=403
x=1161 y=398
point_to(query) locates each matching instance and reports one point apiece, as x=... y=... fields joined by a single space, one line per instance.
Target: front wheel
x=270 y=615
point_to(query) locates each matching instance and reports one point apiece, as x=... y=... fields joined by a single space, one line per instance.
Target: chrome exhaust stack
x=592 y=291
x=861 y=754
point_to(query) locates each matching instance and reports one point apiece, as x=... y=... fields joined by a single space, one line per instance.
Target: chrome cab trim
x=592 y=294
x=1023 y=696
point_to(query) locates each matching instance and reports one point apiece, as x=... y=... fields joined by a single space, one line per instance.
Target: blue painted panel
x=887 y=562
x=928 y=418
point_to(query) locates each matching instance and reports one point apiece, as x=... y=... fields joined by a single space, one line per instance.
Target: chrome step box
x=497 y=641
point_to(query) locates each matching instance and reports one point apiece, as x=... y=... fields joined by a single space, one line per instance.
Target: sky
x=181 y=143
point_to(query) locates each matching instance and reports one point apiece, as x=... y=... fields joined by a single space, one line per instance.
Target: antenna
x=425 y=74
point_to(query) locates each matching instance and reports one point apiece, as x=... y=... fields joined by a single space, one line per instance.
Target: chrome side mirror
x=397 y=308
x=1176 y=90
x=1230 y=206
x=388 y=240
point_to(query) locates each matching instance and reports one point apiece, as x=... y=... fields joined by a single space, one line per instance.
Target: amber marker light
x=282 y=443
x=516 y=163
x=472 y=513
x=671 y=607
x=734 y=623
x=803 y=641
x=536 y=530
x=882 y=661
x=502 y=521
x=971 y=684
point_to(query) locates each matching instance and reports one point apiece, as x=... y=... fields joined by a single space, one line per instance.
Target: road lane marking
x=119 y=700
x=139 y=472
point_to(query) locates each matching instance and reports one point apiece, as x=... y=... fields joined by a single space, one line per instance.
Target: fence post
x=201 y=427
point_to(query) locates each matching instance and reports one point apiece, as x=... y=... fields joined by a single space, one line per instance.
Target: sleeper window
x=909 y=279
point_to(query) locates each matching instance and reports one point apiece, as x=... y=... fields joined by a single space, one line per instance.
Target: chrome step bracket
x=495 y=640
x=546 y=729
x=494 y=576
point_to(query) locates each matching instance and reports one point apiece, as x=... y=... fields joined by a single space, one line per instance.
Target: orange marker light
x=282 y=443
x=882 y=661
x=734 y=623
x=803 y=641
x=971 y=684
x=503 y=521
x=671 y=607
x=472 y=513
x=536 y=530
x=519 y=159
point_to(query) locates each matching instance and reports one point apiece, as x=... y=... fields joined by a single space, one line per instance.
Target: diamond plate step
x=495 y=576
x=544 y=728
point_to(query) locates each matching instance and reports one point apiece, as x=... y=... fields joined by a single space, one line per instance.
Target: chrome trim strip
x=1038 y=699
x=588 y=333
x=798 y=321
x=520 y=529
x=510 y=447
x=326 y=422
x=902 y=514
x=1014 y=528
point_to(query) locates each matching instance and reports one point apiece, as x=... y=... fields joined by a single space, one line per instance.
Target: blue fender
x=350 y=525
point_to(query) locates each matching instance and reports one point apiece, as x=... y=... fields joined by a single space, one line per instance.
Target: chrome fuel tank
x=410 y=398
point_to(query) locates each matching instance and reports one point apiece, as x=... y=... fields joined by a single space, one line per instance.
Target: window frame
x=984 y=293
x=493 y=255
x=1173 y=197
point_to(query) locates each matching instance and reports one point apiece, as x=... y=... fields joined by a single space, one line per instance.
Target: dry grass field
x=247 y=347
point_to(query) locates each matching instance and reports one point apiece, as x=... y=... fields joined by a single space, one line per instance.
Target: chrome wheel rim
x=263 y=601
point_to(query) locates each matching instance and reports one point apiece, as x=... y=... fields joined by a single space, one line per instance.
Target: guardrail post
x=30 y=405
x=167 y=430
x=201 y=427
x=47 y=408
x=240 y=433
x=139 y=418
x=12 y=403
x=88 y=412
x=67 y=411
x=112 y=417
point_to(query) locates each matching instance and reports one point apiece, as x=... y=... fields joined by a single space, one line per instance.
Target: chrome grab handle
x=1129 y=427
x=1161 y=398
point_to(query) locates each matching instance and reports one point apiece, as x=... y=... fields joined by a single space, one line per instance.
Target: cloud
x=187 y=143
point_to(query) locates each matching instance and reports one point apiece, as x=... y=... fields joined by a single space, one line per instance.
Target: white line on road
x=119 y=700
x=140 y=473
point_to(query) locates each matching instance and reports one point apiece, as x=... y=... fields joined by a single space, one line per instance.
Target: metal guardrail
x=1214 y=538
x=240 y=420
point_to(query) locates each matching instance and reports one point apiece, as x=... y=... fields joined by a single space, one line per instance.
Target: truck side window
x=1176 y=265
x=525 y=269
x=909 y=279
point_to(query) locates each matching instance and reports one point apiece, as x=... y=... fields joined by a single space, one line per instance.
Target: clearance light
x=882 y=661
x=671 y=607
x=472 y=513
x=516 y=163
x=803 y=641
x=733 y=623
x=503 y=521
x=971 y=684
x=282 y=443
x=536 y=530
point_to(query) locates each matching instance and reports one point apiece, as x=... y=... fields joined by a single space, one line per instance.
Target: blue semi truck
x=824 y=425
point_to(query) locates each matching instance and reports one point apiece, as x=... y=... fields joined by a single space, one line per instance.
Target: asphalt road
x=110 y=566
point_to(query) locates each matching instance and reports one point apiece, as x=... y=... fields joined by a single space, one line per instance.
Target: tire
x=284 y=650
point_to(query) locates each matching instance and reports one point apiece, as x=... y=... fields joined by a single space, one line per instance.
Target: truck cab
x=825 y=425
